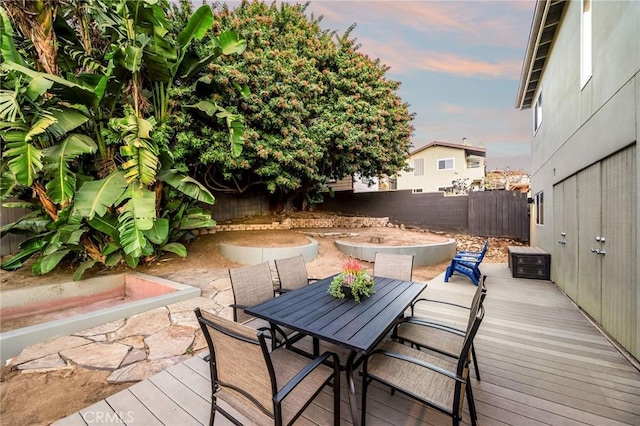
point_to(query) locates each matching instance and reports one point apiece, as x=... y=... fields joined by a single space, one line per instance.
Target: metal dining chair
x=292 y=273
x=265 y=387
x=430 y=334
x=392 y=265
x=435 y=381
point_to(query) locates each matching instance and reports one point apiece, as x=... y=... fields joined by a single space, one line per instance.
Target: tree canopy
x=316 y=108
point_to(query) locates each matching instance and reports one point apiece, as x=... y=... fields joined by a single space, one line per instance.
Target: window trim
x=453 y=164
x=586 y=42
x=418 y=171
x=539 y=205
x=537 y=112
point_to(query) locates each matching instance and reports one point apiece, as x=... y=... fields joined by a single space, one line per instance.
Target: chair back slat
x=251 y=285
x=394 y=266
x=239 y=360
x=292 y=272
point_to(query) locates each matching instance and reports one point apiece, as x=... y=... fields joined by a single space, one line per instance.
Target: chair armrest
x=430 y=324
x=418 y=362
x=274 y=329
x=235 y=310
x=300 y=376
x=437 y=301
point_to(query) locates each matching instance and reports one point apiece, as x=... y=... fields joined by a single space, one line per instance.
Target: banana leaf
x=7 y=47
x=231 y=42
x=197 y=27
x=63 y=185
x=186 y=185
x=25 y=161
x=65 y=89
x=159 y=233
x=95 y=197
x=87 y=264
x=15 y=262
x=175 y=248
x=107 y=224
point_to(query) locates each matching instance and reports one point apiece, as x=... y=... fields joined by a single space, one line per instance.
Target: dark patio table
x=358 y=327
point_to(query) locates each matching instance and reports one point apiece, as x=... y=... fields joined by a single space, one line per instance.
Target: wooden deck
x=541 y=362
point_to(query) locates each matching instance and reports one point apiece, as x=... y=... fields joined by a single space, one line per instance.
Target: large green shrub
x=318 y=109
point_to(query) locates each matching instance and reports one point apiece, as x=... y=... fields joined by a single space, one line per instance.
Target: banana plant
x=52 y=126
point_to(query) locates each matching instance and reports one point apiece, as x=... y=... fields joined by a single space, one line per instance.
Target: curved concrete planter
x=254 y=255
x=423 y=255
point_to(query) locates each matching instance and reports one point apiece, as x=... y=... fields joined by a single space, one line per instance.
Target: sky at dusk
x=459 y=63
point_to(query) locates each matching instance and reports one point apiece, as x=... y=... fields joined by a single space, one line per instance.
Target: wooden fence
x=483 y=213
x=489 y=213
x=499 y=214
x=9 y=243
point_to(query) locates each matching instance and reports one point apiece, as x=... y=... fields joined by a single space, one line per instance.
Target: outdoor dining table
x=358 y=327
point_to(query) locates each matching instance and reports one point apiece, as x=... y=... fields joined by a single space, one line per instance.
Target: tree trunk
x=35 y=19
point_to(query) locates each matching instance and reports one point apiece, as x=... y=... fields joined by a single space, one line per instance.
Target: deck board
x=541 y=363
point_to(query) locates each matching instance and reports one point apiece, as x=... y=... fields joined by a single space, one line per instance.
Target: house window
x=418 y=167
x=416 y=190
x=585 y=43
x=445 y=164
x=540 y=208
x=473 y=164
x=537 y=112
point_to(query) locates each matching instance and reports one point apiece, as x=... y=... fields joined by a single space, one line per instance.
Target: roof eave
x=546 y=18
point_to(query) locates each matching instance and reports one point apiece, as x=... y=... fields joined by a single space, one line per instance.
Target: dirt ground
x=57 y=394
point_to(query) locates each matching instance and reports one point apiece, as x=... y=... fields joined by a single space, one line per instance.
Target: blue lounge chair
x=479 y=254
x=465 y=265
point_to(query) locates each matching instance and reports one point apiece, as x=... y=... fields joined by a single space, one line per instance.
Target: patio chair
x=266 y=388
x=252 y=285
x=426 y=333
x=465 y=265
x=292 y=273
x=435 y=381
x=471 y=253
x=395 y=266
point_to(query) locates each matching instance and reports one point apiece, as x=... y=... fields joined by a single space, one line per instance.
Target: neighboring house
x=355 y=184
x=583 y=60
x=364 y=184
x=436 y=165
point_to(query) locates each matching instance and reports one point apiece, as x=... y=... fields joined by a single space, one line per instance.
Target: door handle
x=564 y=234
x=595 y=250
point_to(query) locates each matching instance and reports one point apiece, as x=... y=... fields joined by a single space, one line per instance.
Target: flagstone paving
x=142 y=345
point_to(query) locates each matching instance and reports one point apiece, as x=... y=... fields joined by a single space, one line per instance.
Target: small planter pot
x=346 y=289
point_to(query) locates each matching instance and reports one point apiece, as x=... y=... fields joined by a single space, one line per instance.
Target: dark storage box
x=529 y=262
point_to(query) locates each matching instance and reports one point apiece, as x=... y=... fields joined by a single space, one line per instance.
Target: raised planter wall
x=292 y=223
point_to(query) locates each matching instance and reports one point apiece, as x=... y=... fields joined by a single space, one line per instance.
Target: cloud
x=452 y=63
x=392 y=54
x=452 y=109
x=471 y=22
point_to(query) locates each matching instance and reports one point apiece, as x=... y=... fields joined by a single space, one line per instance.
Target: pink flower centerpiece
x=353 y=279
